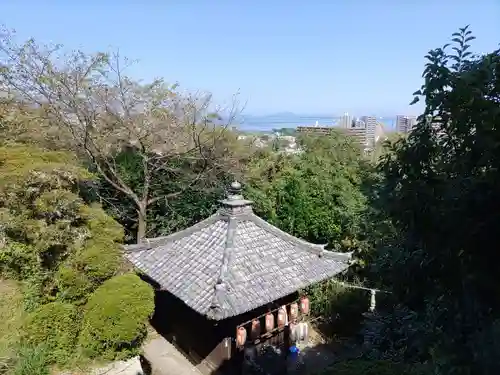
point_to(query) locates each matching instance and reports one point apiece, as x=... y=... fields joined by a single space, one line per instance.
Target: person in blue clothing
x=293 y=352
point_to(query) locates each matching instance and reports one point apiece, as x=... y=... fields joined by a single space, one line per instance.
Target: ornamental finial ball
x=235 y=188
x=235 y=185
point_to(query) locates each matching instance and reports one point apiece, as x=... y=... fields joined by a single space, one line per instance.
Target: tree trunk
x=141 y=223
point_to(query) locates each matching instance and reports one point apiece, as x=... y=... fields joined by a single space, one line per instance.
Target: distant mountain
x=289 y=115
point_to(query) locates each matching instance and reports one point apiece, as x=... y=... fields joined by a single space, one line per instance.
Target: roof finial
x=234 y=196
x=235 y=188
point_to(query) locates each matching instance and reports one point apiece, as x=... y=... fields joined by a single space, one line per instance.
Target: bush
x=364 y=367
x=36 y=291
x=86 y=270
x=99 y=260
x=55 y=325
x=17 y=260
x=115 y=317
x=32 y=361
x=100 y=224
x=73 y=286
x=11 y=318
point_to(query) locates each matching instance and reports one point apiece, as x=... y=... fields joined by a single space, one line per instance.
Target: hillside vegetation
x=59 y=250
x=420 y=215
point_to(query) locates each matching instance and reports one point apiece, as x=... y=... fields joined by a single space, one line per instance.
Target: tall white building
x=405 y=124
x=370 y=127
x=345 y=121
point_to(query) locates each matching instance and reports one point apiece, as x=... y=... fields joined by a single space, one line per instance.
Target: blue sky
x=308 y=57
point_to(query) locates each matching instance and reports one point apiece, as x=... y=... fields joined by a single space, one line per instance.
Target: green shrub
x=11 y=318
x=99 y=260
x=36 y=291
x=100 y=224
x=115 y=317
x=73 y=286
x=17 y=260
x=56 y=204
x=366 y=367
x=55 y=325
x=32 y=361
x=86 y=270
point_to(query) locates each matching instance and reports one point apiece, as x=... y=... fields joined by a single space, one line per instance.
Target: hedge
x=115 y=317
x=84 y=271
x=56 y=326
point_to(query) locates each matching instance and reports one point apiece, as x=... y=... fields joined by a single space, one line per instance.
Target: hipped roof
x=234 y=261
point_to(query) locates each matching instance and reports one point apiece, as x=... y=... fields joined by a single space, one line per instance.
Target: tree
x=103 y=112
x=195 y=203
x=441 y=193
x=315 y=195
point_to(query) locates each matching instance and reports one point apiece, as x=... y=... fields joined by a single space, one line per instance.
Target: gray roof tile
x=233 y=261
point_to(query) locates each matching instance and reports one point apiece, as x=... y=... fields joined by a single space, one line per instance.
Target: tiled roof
x=233 y=261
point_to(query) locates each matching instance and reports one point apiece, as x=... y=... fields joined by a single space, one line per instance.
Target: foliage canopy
x=441 y=193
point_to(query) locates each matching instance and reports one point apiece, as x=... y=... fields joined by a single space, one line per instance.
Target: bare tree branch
x=101 y=111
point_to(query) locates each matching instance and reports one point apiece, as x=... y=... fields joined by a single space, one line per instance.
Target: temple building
x=222 y=279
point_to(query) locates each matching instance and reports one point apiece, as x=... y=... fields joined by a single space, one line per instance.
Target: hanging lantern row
x=282 y=320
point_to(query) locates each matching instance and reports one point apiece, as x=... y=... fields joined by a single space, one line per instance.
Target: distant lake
x=267 y=123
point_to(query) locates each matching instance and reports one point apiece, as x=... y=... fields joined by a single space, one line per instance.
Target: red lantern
x=304 y=305
x=282 y=317
x=294 y=311
x=255 y=332
x=241 y=336
x=269 y=322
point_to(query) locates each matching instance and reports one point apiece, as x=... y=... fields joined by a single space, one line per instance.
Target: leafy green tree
x=318 y=195
x=441 y=193
x=315 y=195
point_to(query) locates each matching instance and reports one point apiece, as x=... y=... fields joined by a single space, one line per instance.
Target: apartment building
x=405 y=124
x=371 y=128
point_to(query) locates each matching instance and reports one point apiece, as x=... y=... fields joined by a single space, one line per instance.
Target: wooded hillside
x=91 y=159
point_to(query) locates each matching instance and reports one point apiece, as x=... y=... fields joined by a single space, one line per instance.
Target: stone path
x=129 y=367
x=165 y=359
x=161 y=358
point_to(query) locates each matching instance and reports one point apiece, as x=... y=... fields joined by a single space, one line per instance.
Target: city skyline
x=292 y=120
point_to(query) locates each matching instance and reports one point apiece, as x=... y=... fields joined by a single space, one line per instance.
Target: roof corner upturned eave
x=337 y=256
